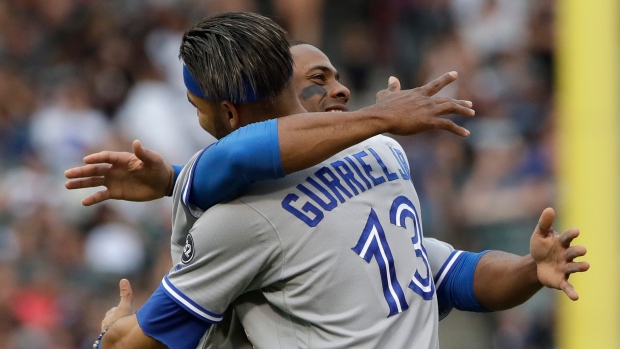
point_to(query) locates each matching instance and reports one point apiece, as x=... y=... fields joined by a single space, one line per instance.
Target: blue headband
x=192 y=86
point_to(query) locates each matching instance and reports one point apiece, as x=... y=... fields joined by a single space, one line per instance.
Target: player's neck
x=287 y=103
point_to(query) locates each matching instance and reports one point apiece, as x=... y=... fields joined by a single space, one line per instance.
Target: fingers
x=124 y=306
x=436 y=85
x=449 y=125
x=96 y=198
x=81 y=183
x=140 y=152
x=110 y=312
x=568 y=236
x=569 y=290
x=441 y=100
x=109 y=157
x=91 y=170
x=576 y=267
x=126 y=294
x=108 y=319
x=454 y=107
x=545 y=222
x=574 y=252
x=393 y=84
x=147 y=156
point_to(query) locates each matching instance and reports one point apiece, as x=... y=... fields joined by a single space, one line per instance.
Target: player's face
x=316 y=81
x=210 y=116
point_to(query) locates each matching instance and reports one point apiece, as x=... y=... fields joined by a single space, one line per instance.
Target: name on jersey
x=343 y=179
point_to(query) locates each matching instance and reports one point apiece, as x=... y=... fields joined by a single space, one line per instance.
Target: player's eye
x=319 y=78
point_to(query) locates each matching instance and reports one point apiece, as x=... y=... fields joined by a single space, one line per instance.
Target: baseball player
x=145 y=185
x=318 y=298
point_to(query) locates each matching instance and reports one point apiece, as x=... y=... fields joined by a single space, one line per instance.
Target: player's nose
x=339 y=91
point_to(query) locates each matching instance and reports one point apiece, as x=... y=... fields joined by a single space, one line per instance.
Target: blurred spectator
x=112 y=247
x=68 y=128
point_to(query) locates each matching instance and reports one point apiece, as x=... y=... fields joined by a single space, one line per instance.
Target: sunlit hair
x=234 y=55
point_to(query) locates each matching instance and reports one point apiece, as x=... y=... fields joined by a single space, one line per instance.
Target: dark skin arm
x=305 y=140
x=503 y=280
x=397 y=112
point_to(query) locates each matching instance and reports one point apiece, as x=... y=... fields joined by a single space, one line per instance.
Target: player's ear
x=232 y=114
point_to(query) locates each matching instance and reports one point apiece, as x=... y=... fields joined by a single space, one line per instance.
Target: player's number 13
x=373 y=243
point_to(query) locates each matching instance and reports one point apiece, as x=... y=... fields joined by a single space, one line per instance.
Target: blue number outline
x=402 y=208
x=373 y=243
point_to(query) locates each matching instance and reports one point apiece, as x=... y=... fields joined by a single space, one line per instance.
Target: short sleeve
x=438 y=253
x=231 y=249
x=439 y=256
x=227 y=167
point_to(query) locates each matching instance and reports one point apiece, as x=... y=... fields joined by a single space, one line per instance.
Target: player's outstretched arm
x=407 y=112
x=141 y=176
x=554 y=255
x=503 y=280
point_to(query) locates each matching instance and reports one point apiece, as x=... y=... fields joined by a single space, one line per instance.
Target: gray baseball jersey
x=329 y=257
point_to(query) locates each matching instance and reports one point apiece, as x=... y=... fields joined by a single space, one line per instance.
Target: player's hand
x=418 y=110
x=554 y=255
x=123 y=308
x=141 y=176
x=393 y=86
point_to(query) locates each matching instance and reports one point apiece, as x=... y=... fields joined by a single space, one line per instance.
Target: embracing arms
x=302 y=140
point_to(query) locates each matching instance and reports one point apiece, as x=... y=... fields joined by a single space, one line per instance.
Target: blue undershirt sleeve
x=455 y=289
x=164 y=320
x=229 y=166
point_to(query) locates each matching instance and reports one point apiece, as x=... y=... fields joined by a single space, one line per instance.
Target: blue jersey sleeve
x=455 y=283
x=227 y=167
x=167 y=321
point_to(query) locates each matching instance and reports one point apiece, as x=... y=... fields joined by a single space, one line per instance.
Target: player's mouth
x=337 y=108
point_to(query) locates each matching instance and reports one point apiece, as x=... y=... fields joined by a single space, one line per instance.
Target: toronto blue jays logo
x=188 y=250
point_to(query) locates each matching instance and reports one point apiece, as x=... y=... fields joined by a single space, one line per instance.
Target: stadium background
x=78 y=76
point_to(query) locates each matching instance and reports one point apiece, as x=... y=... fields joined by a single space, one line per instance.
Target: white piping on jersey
x=445 y=271
x=196 y=213
x=193 y=308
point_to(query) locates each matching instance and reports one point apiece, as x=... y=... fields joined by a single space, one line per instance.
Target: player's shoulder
x=381 y=140
x=233 y=216
x=236 y=228
x=438 y=246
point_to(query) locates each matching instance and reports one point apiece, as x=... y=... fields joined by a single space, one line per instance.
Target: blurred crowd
x=79 y=76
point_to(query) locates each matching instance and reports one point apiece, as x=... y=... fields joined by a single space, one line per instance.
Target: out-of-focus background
x=79 y=76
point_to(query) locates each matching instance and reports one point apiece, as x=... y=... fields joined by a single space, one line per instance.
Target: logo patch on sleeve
x=188 y=250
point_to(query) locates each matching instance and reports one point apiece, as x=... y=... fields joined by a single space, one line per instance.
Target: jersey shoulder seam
x=273 y=228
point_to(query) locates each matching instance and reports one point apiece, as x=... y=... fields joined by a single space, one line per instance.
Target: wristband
x=97 y=344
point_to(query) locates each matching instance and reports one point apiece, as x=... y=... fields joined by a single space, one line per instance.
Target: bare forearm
x=307 y=139
x=503 y=280
x=126 y=333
